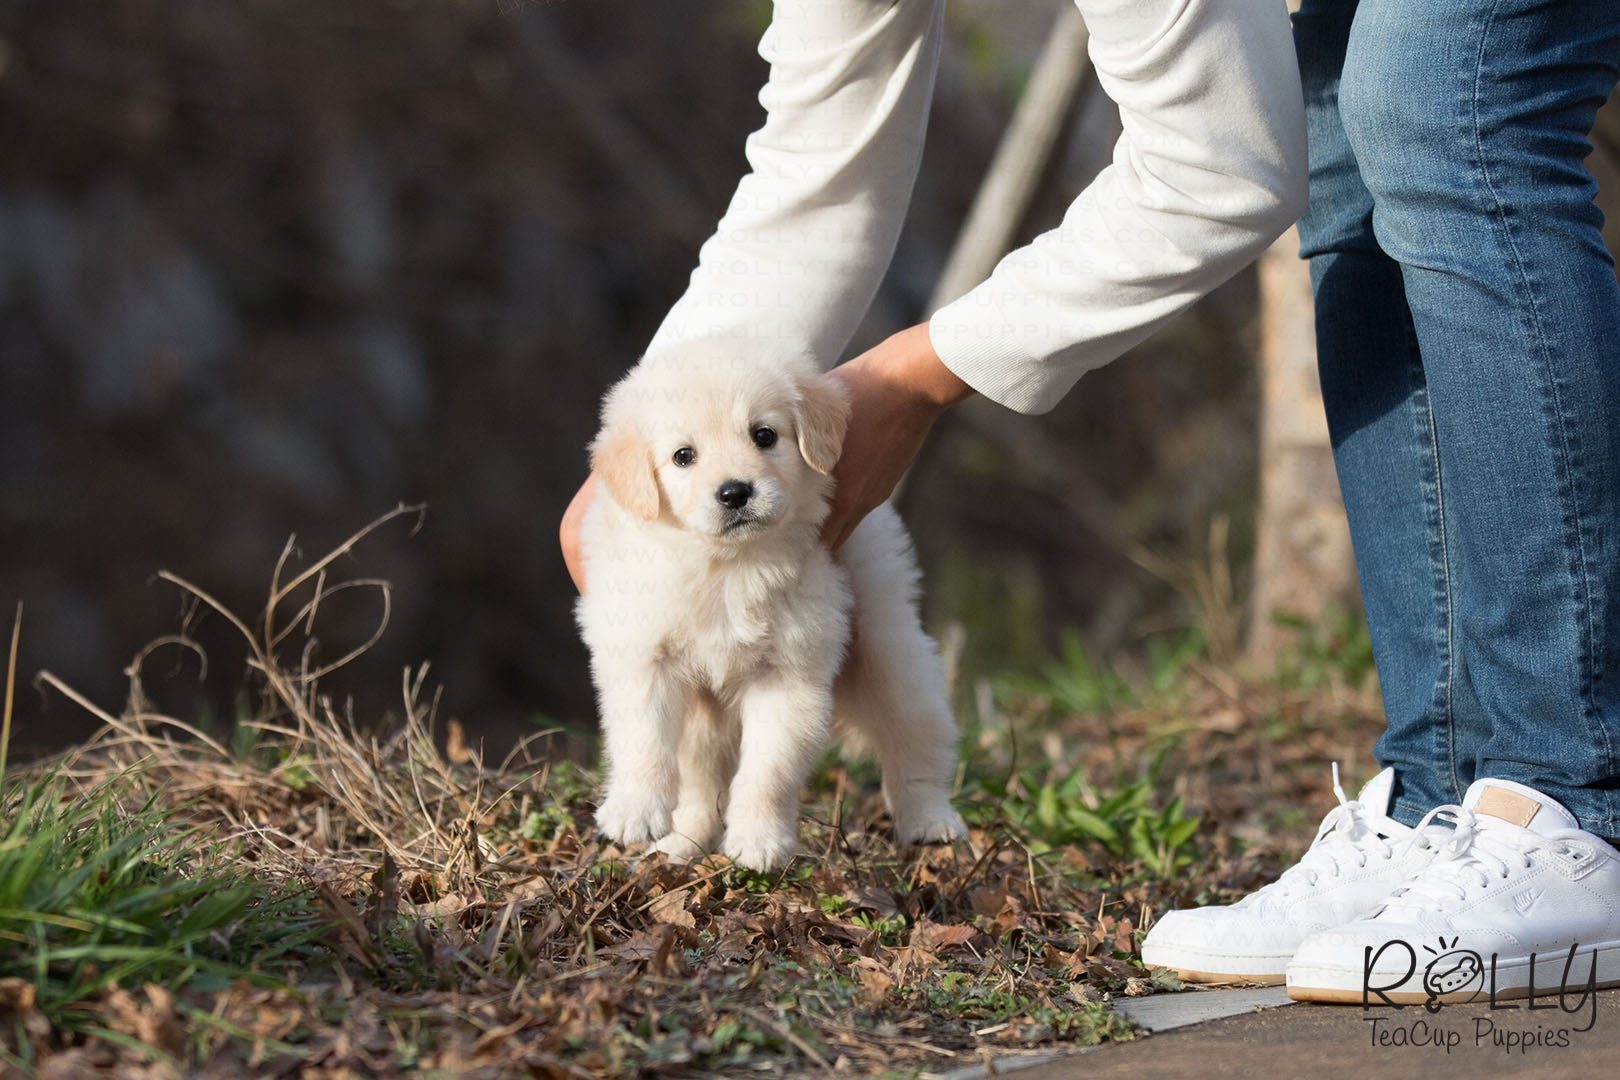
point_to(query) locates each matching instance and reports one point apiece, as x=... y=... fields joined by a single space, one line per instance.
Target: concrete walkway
x=1322 y=1041
x=1247 y=1033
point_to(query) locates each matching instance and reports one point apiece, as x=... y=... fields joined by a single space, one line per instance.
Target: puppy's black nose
x=734 y=494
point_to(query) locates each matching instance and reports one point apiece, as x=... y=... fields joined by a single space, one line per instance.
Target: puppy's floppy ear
x=821 y=415
x=624 y=462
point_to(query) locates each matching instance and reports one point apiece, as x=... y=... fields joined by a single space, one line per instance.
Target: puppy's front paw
x=935 y=825
x=632 y=819
x=760 y=845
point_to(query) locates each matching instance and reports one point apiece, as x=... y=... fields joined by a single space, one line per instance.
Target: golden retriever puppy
x=718 y=623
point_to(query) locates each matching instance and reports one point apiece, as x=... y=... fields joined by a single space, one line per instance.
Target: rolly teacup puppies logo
x=1456 y=976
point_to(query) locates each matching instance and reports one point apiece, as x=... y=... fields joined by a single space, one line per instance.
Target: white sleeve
x=809 y=233
x=1210 y=168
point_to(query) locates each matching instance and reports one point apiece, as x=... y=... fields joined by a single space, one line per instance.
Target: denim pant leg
x=1379 y=418
x=1467 y=121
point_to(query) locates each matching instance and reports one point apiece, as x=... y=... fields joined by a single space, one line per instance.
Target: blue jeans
x=1468 y=329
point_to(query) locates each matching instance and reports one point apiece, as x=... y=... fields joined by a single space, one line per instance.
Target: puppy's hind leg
x=708 y=758
x=891 y=693
x=902 y=719
x=641 y=722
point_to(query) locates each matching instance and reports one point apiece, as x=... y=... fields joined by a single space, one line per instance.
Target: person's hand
x=896 y=391
x=568 y=533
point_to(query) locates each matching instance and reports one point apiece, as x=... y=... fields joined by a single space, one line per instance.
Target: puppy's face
x=723 y=441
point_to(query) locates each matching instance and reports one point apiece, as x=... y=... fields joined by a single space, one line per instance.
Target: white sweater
x=1210 y=168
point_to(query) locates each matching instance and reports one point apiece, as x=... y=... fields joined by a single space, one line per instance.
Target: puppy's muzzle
x=734 y=494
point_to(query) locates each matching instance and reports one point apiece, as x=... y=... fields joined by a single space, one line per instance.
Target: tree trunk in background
x=1032 y=137
x=1302 y=562
x=1034 y=133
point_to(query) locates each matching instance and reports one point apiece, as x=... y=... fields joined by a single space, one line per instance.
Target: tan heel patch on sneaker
x=1507 y=805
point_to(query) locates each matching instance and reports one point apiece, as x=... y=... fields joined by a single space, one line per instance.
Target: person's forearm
x=1210 y=168
x=918 y=370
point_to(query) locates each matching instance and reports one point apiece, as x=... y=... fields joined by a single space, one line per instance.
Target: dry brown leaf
x=654 y=946
x=466 y=860
x=933 y=936
x=671 y=908
x=988 y=902
x=16 y=995
x=844 y=930
x=812 y=954
x=879 y=900
x=1226 y=721
x=150 y=1018
x=735 y=946
x=493 y=1038
x=455 y=744
x=910 y=961
x=419 y=888
x=1106 y=970
x=875 y=981
x=447 y=906
x=734 y=920
x=17 y=1004
x=78 y=1063
x=159 y=1024
x=383 y=903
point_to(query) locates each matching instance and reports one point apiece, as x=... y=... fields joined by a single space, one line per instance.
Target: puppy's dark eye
x=684 y=456
x=764 y=437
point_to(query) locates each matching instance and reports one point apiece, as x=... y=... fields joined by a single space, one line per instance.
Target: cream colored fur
x=718 y=636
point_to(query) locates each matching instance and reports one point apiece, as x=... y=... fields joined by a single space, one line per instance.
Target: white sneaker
x=1358 y=856
x=1518 y=883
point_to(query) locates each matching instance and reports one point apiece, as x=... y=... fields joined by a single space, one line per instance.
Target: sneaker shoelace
x=1346 y=837
x=1476 y=852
